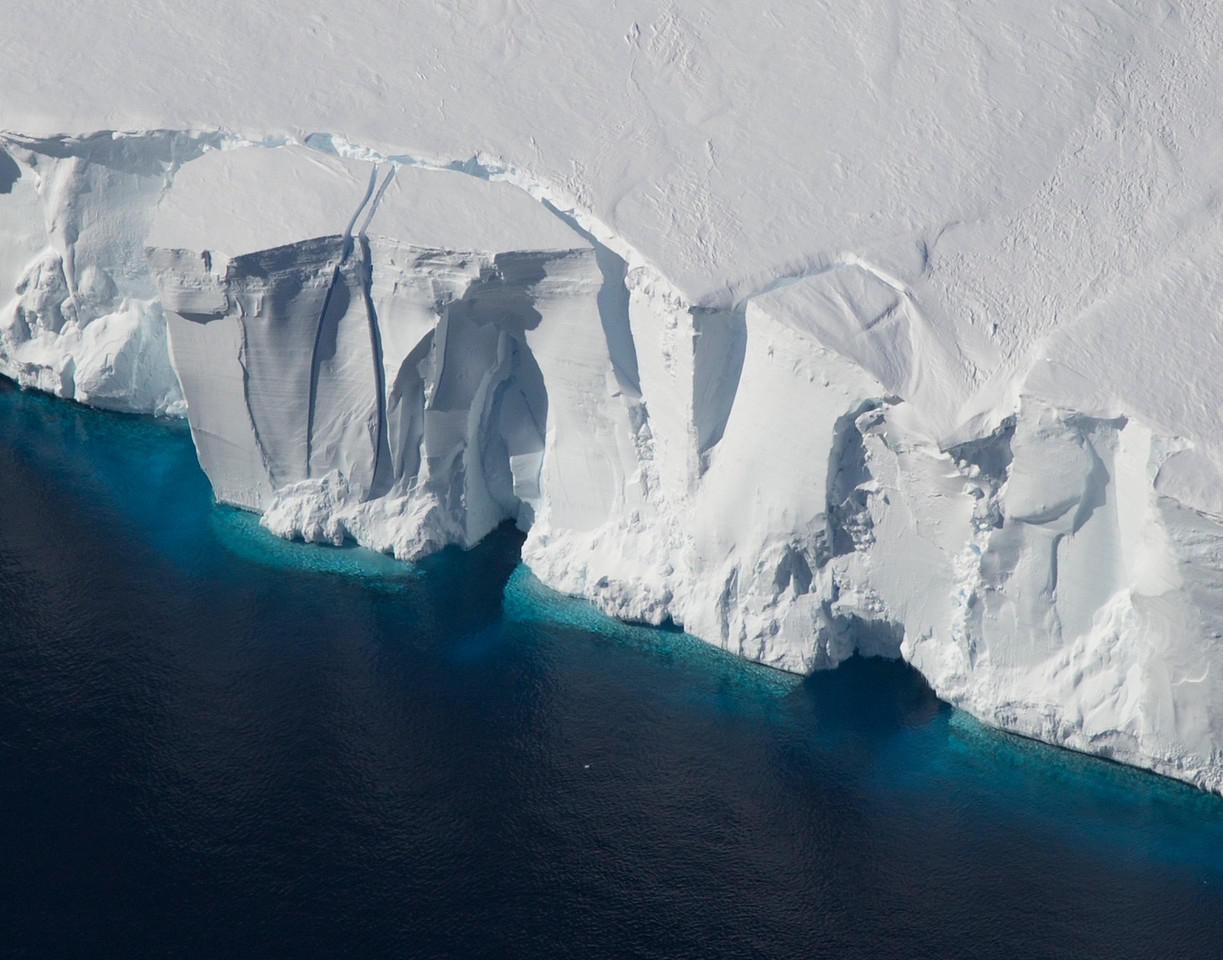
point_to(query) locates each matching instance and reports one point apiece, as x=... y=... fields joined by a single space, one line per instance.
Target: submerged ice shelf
x=367 y=345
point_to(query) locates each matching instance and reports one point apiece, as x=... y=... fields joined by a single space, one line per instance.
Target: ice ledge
x=407 y=353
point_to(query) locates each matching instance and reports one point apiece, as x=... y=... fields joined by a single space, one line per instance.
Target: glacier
x=908 y=351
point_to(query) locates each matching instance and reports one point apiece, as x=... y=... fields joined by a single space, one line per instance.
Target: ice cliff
x=917 y=359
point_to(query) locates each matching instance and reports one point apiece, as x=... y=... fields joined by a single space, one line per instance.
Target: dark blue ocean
x=214 y=744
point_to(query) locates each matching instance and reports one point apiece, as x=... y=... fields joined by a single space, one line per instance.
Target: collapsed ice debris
x=409 y=356
x=84 y=321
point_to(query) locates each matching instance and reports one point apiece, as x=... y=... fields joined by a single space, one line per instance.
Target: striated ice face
x=351 y=372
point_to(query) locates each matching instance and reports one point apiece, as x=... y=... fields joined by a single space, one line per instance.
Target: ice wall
x=404 y=355
x=364 y=349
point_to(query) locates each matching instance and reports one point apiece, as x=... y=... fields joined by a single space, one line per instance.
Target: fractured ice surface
x=873 y=326
x=352 y=370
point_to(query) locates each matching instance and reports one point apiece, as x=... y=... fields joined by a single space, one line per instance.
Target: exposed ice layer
x=383 y=385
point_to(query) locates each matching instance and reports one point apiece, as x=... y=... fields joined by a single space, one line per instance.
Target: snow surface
x=884 y=326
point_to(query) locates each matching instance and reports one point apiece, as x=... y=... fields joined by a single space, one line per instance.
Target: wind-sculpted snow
x=976 y=428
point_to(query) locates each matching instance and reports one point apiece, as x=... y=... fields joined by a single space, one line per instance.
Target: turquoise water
x=217 y=743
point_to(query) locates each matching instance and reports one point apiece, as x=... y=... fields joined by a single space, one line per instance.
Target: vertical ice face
x=405 y=356
x=250 y=257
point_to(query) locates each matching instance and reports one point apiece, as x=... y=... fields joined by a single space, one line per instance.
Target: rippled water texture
x=216 y=744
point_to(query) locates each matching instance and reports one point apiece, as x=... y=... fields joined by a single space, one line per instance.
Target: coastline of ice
x=918 y=361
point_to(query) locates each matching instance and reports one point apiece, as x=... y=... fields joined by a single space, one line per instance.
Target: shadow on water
x=872 y=697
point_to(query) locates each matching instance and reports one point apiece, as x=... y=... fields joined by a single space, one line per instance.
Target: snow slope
x=813 y=327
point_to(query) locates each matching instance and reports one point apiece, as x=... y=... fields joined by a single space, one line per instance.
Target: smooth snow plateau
x=890 y=327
